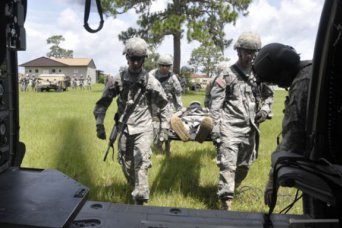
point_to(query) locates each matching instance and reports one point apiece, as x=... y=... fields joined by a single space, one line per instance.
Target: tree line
x=199 y=20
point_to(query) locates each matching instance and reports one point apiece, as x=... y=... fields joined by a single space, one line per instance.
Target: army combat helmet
x=165 y=59
x=276 y=63
x=135 y=47
x=195 y=105
x=249 y=41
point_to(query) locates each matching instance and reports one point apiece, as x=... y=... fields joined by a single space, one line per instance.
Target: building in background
x=198 y=81
x=75 y=68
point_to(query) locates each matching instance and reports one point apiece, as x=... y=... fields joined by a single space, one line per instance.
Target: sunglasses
x=249 y=52
x=163 y=65
x=136 y=58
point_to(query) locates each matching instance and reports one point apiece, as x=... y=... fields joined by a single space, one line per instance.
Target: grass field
x=59 y=132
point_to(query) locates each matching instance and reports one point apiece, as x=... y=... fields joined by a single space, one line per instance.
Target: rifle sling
x=244 y=77
x=130 y=109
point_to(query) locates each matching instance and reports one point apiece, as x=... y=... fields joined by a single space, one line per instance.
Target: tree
x=151 y=61
x=204 y=20
x=55 y=50
x=205 y=59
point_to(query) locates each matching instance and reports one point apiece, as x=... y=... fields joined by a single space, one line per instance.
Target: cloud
x=291 y=22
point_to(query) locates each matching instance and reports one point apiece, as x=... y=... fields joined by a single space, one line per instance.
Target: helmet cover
x=248 y=40
x=165 y=59
x=135 y=47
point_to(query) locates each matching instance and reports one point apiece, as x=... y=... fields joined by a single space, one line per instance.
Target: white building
x=74 y=67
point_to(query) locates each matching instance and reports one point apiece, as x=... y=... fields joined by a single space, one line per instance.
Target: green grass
x=59 y=132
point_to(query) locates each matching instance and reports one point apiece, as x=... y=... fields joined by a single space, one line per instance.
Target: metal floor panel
x=39 y=198
x=105 y=215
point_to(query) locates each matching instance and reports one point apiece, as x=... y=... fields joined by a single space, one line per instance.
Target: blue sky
x=291 y=22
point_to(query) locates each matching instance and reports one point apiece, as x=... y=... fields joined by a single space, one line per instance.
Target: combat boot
x=178 y=127
x=204 y=130
x=168 y=148
x=141 y=202
x=159 y=148
x=226 y=204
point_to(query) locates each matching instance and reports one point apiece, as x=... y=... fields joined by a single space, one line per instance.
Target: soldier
x=238 y=106
x=81 y=82
x=74 y=83
x=33 y=82
x=173 y=90
x=88 y=83
x=280 y=64
x=137 y=94
x=24 y=83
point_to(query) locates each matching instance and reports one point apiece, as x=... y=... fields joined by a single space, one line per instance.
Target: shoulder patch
x=220 y=82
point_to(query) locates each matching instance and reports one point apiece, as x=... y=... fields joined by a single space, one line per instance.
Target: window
x=53 y=70
x=36 y=70
x=30 y=71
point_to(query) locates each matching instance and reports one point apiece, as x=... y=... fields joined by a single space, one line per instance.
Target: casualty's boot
x=226 y=204
x=204 y=130
x=178 y=127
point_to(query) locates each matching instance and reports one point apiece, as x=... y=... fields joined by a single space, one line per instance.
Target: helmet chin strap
x=164 y=75
x=135 y=71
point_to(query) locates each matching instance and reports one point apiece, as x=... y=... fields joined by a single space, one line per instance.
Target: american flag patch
x=220 y=82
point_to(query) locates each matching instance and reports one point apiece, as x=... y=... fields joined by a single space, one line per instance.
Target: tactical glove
x=100 y=131
x=268 y=191
x=261 y=116
x=163 y=135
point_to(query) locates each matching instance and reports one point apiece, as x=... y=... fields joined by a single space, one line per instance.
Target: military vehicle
x=47 y=198
x=56 y=82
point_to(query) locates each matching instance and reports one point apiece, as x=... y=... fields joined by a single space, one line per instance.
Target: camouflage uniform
x=234 y=106
x=134 y=145
x=281 y=65
x=192 y=117
x=172 y=89
x=134 y=88
x=293 y=126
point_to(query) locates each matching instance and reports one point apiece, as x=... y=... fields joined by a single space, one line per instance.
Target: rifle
x=113 y=135
x=112 y=138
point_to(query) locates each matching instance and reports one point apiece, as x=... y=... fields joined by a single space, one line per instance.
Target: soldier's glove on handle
x=268 y=191
x=100 y=131
x=261 y=116
x=216 y=138
x=163 y=135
